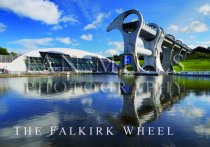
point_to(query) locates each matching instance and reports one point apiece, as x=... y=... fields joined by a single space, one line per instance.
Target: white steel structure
x=160 y=49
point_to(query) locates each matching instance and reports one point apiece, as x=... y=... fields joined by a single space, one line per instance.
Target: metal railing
x=194 y=73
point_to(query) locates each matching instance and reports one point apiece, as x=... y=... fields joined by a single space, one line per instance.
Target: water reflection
x=144 y=98
x=106 y=101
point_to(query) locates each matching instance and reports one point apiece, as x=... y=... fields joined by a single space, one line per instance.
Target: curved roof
x=72 y=52
x=18 y=65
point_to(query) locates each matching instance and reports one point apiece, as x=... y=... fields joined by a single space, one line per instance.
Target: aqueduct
x=160 y=51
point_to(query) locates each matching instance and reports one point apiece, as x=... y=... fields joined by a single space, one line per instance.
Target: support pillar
x=130 y=37
x=166 y=61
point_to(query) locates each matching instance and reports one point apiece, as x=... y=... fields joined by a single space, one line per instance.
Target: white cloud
x=117 y=48
x=111 y=52
x=87 y=37
x=204 y=9
x=95 y=23
x=194 y=26
x=118 y=45
x=65 y=21
x=192 y=46
x=119 y=11
x=174 y=28
x=65 y=40
x=89 y=26
x=203 y=129
x=199 y=43
x=43 y=121
x=34 y=43
x=69 y=19
x=192 y=112
x=30 y=44
x=41 y=10
x=204 y=43
x=57 y=27
x=3 y=27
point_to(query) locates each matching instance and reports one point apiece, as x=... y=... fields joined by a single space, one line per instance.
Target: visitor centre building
x=61 y=60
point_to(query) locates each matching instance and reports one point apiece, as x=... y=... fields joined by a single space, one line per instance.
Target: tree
x=3 y=51
x=201 y=49
x=13 y=53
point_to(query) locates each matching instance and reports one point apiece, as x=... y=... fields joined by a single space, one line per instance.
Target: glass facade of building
x=36 y=64
x=57 y=62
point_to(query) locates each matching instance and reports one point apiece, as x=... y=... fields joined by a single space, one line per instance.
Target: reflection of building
x=64 y=87
x=61 y=60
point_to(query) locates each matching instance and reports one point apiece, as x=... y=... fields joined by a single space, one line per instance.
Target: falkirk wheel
x=160 y=51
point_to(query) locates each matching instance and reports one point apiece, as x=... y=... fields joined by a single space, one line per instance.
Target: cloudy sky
x=26 y=25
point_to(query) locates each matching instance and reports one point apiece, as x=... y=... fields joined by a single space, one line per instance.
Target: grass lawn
x=189 y=65
x=129 y=67
x=194 y=65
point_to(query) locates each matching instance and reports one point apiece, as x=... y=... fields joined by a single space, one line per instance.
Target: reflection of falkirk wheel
x=145 y=98
x=160 y=49
x=144 y=91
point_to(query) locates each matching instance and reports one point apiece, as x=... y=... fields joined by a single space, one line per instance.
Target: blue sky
x=26 y=25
